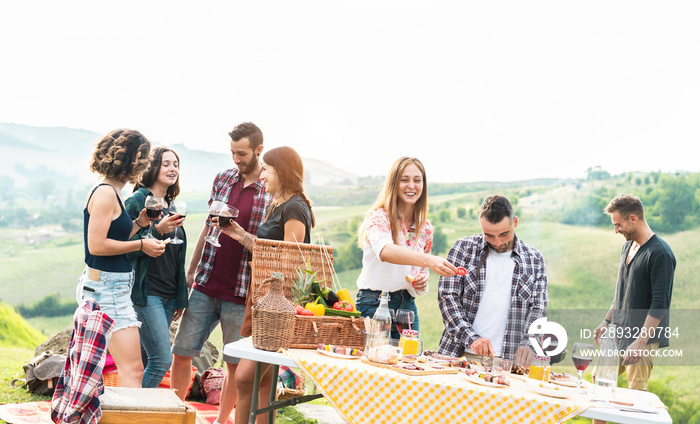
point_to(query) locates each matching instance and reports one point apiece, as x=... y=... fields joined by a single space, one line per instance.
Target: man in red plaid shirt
x=222 y=277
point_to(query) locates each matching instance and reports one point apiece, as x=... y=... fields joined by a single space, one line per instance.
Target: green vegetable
x=339 y=313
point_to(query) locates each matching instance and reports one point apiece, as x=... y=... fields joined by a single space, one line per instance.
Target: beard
x=502 y=248
x=251 y=165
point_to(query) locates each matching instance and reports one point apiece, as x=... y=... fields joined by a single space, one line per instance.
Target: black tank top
x=119 y=229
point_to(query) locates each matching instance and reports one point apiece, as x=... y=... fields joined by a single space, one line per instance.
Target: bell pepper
x=317 y=308
x=343 y=305
x=344 y=294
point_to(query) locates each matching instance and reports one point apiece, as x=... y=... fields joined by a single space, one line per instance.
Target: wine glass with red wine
x=154 y=208
x=225 y=215
x=404 y=319
x=581 y=355
x=178 y=207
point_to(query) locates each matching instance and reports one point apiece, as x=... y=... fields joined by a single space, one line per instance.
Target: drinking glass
x=404 y=319
x=581 y=355
x=178 y=207
x=226 y=214
x=154 y=207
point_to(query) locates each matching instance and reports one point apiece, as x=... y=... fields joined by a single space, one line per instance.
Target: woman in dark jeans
x=396 y=239
x=160 y=290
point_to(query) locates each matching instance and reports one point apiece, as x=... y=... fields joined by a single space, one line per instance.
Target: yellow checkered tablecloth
x=363 y=394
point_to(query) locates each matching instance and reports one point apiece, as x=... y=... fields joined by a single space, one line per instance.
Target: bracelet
x=155 y=227
x=245 y=236
x=608 y=321
x=136 y=221
x=141 y=249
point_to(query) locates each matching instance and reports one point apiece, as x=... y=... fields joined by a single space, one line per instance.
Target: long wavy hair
x=122 y=154
x=151 y=175
x=389 y=200
x=290 y=171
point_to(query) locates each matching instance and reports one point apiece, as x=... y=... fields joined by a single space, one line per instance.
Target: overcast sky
x=477 y=90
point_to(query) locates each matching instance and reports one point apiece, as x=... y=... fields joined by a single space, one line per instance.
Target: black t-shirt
x=644 y=287
x=163 y=271
x=294 y=208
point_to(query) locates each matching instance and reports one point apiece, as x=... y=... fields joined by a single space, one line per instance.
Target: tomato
x=299 y=309
x=307 y=313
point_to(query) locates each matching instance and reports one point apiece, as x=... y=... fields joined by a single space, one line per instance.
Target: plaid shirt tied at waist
x=76 y=398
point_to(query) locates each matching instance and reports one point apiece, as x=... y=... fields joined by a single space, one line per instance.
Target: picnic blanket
x=40 y=413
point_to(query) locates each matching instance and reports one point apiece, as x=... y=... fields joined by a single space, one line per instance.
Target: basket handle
x=353 y=322
x=275 y=276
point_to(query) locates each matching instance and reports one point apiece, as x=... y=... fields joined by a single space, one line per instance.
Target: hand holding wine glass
x=154 y=208
x=178 y=207
x=223 y=214
x=581 y=355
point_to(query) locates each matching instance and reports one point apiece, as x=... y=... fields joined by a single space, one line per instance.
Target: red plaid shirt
x=221 y=190
x=76 y=398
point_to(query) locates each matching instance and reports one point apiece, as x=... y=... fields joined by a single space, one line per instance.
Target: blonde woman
x=396 y=238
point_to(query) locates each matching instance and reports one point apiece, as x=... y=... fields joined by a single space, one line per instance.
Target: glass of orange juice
x=410 y=344
x=540 y=368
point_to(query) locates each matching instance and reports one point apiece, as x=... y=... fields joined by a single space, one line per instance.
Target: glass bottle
x=607 y=365
x=379 y=333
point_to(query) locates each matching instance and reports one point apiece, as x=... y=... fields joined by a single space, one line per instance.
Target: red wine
x=153 y=214
x=225 y=221
x=580 y=362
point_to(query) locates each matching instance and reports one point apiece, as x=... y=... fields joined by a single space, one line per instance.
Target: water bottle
x=379 y=332
x=607 y=365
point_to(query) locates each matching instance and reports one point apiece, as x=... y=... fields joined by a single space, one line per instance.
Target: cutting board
x=428 y=369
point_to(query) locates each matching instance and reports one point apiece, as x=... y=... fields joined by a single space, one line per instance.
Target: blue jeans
x=156 y=317
x=368 y=302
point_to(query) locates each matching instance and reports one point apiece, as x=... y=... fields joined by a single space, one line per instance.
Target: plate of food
x=551 y=390
x=563 y=379
x=487 y=379
x=339 y=351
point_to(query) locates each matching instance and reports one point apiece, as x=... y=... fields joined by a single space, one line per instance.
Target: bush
x=50 y=306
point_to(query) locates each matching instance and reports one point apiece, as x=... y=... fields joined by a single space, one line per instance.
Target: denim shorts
x=113 y=294
x=202 y=315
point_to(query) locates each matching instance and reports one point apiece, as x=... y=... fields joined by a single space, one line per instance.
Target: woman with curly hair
x=120 y=157
x=160 y=290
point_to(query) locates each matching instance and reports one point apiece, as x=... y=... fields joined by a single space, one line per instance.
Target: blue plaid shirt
x=459 y=296
x=221 y=190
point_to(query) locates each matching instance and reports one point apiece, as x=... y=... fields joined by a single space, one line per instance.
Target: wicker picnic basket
x=285 y=257
x=273 y=317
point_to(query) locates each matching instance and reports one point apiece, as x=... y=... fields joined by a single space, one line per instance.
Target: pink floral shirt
x=378 y=275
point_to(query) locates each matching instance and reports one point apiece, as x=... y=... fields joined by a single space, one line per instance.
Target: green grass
x=581 y=265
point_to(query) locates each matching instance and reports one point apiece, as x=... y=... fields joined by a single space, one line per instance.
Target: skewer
x=335 y=282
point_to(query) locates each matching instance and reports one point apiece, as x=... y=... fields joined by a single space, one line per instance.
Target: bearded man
x=643 y=293
x=488 y=311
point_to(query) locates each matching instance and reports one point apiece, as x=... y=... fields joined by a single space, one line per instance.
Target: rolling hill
x=61 y=154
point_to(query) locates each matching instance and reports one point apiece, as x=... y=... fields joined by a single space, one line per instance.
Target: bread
x=383 y=354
